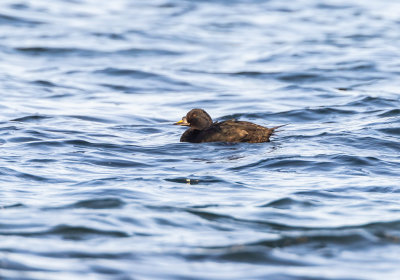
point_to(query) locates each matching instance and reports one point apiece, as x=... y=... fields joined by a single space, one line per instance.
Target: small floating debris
x=184 y=181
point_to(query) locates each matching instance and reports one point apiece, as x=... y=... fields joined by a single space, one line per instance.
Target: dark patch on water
x=104 y=203
x=18 y=21
x=33 y=118
x=57 y=52
x=287 y=203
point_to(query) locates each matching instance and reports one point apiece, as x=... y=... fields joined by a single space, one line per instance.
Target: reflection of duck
x=202 y=129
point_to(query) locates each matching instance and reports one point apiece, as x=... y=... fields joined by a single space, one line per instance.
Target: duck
x=203 y=129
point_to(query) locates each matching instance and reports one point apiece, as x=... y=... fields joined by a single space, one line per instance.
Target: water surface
x=95 y=184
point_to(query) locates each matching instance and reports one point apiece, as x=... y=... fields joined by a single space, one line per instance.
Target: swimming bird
x=203 y=129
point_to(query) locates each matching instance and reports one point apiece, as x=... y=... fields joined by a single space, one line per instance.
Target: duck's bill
x=183 y=122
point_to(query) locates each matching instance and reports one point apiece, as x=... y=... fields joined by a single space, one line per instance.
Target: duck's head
x=196 y=119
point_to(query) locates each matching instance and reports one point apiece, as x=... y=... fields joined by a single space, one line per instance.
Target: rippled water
x=95 y=184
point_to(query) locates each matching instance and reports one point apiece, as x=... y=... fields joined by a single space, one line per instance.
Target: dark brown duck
x=203 y=129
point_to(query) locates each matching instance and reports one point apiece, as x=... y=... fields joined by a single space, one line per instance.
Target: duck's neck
x=190 y=135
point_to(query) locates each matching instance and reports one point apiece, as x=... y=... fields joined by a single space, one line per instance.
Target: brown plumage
x=203 y=129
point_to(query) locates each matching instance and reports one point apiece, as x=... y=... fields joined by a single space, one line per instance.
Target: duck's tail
x=276 y=127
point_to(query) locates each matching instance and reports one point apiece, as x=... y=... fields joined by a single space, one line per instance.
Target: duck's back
x=229 y=131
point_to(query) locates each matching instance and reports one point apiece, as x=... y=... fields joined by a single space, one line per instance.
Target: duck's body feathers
x=229 y=131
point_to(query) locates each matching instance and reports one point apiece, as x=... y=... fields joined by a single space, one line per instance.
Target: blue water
x=94 y=183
